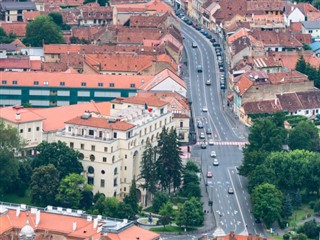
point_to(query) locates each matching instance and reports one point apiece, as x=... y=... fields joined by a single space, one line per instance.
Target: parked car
x=209 y=36
x=200 y=124
x=209 y=174
x=198 y=28
x=208 y=131
x=213 y=40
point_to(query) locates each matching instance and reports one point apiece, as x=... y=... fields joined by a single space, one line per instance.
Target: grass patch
x=300 y=214
x=14 y=198
x=275 y=236
x=170 y=229
x=148 y=209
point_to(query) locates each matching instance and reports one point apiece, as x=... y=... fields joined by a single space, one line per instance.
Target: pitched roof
x=18 y=28
x=152 y=21
x=296 y=27
x=162 y=76
x=239 y=33
x=18 y=114
x=311 y=24
x=17 y=42
x=100 y=123
x=134 y=233
x=290 y=60
x=18 y=6
x=315 y=46
x=306 y=8
x=265 y=106
x=30 y=15
x=72 y=80
x=53 y=123
x=137 y=35
x=150 y=101
x=289 y=102
x=14 y=63
x=309 y=99
x=243 y=84
x=287 y=77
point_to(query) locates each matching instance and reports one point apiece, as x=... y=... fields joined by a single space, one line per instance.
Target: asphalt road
x=231 y=211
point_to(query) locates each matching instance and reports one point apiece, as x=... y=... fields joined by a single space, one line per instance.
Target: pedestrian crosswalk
x=226 y=143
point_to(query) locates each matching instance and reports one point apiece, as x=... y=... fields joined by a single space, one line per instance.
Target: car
x=189 y=22
x=200 y=124
x=257 y=220
x=208 y=131
x=219 y=58
x=208 y=82
x=211 y=142
x=199 y=68
x=183 y=18
x=220 y=64
x=222 y=85
x=198 y=28
x=209 y=174
x=205 y=33
x=209 y=36
x=217 y=49
x=204 y=109
x=202 y=136
x=202 y=30
x=213 y=40
x=203 y=146
x=221 y=69
x=218 y=53
x=216 y=45
x=194 y=45
x=194 y=25
x=215 y=162
x=230 y=190
x=213 y=154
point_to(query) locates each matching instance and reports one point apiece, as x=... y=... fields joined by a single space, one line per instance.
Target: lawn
x=13 y=198
x=275 y=236
x=170 y=229
x=300 y=214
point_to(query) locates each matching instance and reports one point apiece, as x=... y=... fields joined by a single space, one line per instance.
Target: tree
x=86 y=199
x=287 y=207
x=316 y=206
x=43 y=30
x=44 y=185
x=70 y=190
x=166 y=212
x=57 y=18
x=301 y=65
x=190 y=213
x=101 y=2
x=267 y=203
x=310 y=228
x=192 y=166
x=148 y=170
x=251 y=160
x=262 y=174
x=65 y=159
x=24 y=177
x=9 y=164
x=297 y=199
x=304 y=136
x=160 y=198
x=131 y=199
x=190 y=184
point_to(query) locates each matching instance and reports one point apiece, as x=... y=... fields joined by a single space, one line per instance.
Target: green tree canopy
x=190 y=213
x=301 y=65
x=65 y=159
x=304 y=136
x=44 y=185
x=101 y=2
x=131 y=199
x=267 y=203
x=70 y=190
x=310 y=228
x=43 y=29
x=148 y=170
x=160 y=198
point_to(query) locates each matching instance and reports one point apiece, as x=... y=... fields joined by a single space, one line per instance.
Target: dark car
x=217 y=49
x=212 y=40
x=205 y=33
x=198 y=28
x=189 y=22
x=203 y=145
x=194 y=25
x=208 y=131
x=218 y=53
x=221 y=69
x=216 y=45
x=209 y=36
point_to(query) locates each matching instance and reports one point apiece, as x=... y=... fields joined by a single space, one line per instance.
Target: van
x=194 y=45
x=199 y=68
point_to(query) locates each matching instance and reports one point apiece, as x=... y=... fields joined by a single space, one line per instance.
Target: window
x=114 y=135
x=92 y=157
x=104 y=159
x=181 y=124
x=81 y=156
x=111 y=149
x=103 y=172
x=113 y=158
x=62 y=83
x=161 y=111
x=113 y=106
x=14 y=82
x=45 y=83
x=82 y=146
x=125 y=167
x=124 y=189
x=29 y=129
x=132 y=85
x=4 y=81
x=93 y=147
x=125 y=156
x=115 y=182
x=111 y=85
x=90 y=180
x=102 y=182
x=91 y=132
x=90 y=170
x=307 y=111
x=52 y=55
x=21 y=130
x=115 y=171
x=106 y=149
x=100 y=84
x=69 y=129
x=83 y=84
x=71 y=145
x=38 y=129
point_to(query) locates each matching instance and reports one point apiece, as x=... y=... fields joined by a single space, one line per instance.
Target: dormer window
x=4 y=82
x=62 y=83
x=132 y=85
x=45 y=83
x=111 y=85
x=83 y=84
x=100 y=84
x=36 y=83
x=14 y=82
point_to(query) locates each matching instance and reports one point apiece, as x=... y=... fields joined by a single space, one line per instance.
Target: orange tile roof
x=240 y=33
x=150 y=101
x=15 y=63
x=287 y=77
x=290 y=60
x=154 y=5
x=162 y=76
x=243 y=84
x=18 y=28
x=53 y=123
x=134 y=233
x=137 y=35
x=296 y=27
x=17 y=42
x=72 y=80
x=30 y=15
x=61 y=48
x=101 y=123
x=25 y=114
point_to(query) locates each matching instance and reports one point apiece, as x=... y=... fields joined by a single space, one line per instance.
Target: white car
x=204 y=109
x=213 y=154
x=211 y=142
x=215 y=162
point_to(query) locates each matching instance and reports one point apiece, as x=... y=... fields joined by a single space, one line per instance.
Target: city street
x=226 y=189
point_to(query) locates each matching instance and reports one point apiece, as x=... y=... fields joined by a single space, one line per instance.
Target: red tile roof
x=134 y=233
x=14 y=63
x=25 y=114
x=30 y=15
x=287 y=77
x=150 y=101
x=290 y=60
x=296 y=27
x=17 y=28
x=100 y=123
x=72 y=80
x=266 y=106
x=243 y=84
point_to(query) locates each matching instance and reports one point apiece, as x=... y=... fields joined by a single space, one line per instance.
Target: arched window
x=90 y=169
x=92 y=157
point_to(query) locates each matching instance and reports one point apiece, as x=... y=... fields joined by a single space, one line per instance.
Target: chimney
x=95 y=223
x=37 y=217
x=18 y=116
x=18 y=212
x=74 y=226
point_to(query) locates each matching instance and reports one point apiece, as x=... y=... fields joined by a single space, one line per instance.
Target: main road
x=232 y=211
